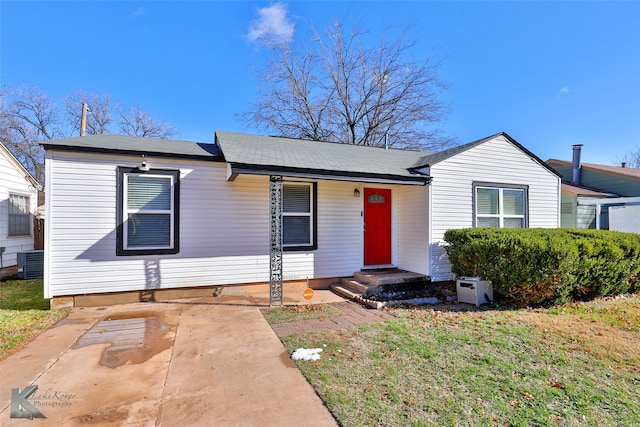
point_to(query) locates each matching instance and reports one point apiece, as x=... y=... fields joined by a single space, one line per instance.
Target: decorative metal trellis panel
x=275 y=252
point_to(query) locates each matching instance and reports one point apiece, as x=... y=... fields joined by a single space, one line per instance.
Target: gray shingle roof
x=256 y=154
x=136 y=145
x=274 y=154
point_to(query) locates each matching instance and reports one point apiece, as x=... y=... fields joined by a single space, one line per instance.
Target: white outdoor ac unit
x=30 y=264
x=474 y=290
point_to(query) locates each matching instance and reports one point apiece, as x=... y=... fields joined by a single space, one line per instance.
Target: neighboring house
x=18 y=204
x=139 y=214
x=589 y=190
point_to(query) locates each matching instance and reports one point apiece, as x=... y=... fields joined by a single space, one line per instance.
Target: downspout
x=48 y=227
x=429 y=229
x=559 y=204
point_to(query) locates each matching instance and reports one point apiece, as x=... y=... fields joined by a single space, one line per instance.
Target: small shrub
x=609 y=263
x=547 y=266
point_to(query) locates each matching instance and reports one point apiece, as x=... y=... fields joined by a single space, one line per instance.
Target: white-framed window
x=502 y=206
x=147 y=212
x=19 y=216
x=299 y=216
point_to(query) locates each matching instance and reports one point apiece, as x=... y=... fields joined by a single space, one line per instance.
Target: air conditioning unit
x=474 y=290
x=30 y=264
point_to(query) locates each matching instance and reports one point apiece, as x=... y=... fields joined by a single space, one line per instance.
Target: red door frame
x=377 y=226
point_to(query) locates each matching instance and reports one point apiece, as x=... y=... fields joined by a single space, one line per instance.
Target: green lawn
x=576 y=365
x=24 y=313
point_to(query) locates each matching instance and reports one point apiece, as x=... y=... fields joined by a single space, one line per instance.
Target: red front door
x=377 y=226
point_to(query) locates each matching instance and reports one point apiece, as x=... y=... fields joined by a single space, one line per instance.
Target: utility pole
x=83 y=119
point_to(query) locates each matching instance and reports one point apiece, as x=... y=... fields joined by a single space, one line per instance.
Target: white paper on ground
x=310 y=354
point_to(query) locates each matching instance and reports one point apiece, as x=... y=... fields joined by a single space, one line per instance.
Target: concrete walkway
x=194 y=362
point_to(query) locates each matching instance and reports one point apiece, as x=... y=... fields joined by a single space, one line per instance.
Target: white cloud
x=138 y=12
x=272 y=24
x=564 y=90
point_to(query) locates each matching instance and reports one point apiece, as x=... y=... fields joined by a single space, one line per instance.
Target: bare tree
x=344 y=91
x=138 y=123
x=632 y=158
x=28 y=116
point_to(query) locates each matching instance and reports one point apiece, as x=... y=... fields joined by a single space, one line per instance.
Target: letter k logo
x=21 y=407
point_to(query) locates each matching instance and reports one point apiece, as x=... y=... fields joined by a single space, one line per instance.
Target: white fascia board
x=608 y=201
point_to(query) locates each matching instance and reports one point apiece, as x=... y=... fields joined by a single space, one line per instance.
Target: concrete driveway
x=211 y=361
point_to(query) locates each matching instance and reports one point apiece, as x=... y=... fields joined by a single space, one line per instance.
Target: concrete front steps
x=373 y=287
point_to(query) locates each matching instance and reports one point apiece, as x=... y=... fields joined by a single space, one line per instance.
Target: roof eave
x=236 y=169
x=619 y=172
x=132 y=152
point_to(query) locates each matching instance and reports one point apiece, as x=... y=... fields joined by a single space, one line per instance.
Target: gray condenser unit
x=30 y=264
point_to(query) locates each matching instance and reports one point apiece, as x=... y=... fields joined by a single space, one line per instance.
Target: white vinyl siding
x=495 y=161
x=224 y=225
x=224 y=229
x=14 y=182
x=413 y=237
x=339 y=246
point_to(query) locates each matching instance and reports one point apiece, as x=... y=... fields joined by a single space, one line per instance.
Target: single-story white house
x=139 y=214
x=18 y=204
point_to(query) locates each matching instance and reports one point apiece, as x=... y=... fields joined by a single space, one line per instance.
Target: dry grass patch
x=300 y=312
x=519 y=368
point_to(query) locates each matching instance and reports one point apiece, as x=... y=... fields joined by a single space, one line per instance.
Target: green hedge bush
x=530 y=267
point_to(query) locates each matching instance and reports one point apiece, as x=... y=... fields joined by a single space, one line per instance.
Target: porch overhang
x=235 y=169
x=609 y=201
x=599 y=202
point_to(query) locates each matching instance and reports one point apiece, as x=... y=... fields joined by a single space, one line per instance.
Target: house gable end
x=18 y=166
x=436 y=158
x=496 y=164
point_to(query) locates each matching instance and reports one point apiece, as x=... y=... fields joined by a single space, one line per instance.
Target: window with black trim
x=19 y=215
x=147 y=212
x=500 y=206
x=299 y=216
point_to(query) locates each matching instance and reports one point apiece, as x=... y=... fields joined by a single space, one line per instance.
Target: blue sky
x=551 y=74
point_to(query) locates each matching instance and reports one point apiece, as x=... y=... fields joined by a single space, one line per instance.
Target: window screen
x=148 y=212
x=500 y=207
x=296 y=215
x=19 y=215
